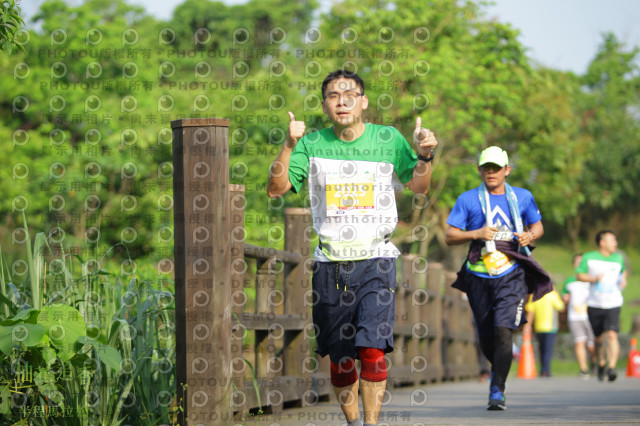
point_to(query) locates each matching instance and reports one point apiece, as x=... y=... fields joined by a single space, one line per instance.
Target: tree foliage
x=11 y=24
x=611 y=113
x=88 y=110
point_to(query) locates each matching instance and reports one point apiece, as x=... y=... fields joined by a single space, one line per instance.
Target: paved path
x=556 y=400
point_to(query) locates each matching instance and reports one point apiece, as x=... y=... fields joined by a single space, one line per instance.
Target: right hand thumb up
x=296 y=130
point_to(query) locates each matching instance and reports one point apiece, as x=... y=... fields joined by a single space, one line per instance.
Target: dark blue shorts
x=602 y=320
x=497 y=302
x=354 y=306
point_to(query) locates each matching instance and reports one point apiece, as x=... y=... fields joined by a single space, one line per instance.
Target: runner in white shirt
x=575 y=294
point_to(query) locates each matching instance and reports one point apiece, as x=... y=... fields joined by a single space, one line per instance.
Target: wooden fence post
x=298 y=232
x=403 y=304
x=433 y=317
x=202 y=269
x=238 y=296
x=414 y=341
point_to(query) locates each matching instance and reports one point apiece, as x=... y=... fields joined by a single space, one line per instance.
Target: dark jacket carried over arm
x=537 y=280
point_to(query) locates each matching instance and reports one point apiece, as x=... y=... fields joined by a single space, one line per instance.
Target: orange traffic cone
x=527 y=365
x=633 y=362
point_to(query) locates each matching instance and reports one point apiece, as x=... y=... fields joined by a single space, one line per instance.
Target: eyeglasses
x=491 y=167
x=349 y=95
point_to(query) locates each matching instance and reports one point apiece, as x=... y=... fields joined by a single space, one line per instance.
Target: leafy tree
x=468 y=78
x=10 y=23
x=611 y=117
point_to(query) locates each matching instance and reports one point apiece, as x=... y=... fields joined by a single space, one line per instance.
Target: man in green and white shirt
x=604 y=269
x=349 y=168
x=351 y=189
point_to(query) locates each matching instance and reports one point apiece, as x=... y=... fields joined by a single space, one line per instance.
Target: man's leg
x=348 y=400
x=596 y=319
x=344 y=379
x=613 y=348
x=581 y=356
x=549 y=340
x=581 y=333
x=502 y=356
x=372 y=396
x=541 y=349
x=373 y=382
x=545 y=342
x=600 y=358
x=488 y=346
x=612 y=325
x=600 y=350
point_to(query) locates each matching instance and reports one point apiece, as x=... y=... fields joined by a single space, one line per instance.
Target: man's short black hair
x=601 y=234
x=341 y=74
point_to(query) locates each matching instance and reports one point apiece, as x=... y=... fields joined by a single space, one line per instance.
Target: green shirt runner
x=606 y=293
x=351 y=189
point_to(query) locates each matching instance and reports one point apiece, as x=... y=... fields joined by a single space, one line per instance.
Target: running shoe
x=497 y=401
x=584 y=375
x=611 y=373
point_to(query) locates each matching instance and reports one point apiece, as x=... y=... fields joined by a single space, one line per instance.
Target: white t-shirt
x=606 y=293
x=579 y=292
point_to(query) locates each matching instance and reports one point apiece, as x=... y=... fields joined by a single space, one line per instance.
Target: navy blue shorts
x=354 y=306
x=497 y=302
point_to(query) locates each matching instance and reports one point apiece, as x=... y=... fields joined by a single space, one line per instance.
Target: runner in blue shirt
x=493 y=275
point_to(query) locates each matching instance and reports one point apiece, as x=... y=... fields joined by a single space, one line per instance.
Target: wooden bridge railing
x=243 y=313
x=275 y=331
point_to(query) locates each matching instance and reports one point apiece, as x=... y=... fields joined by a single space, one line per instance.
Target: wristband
x=427 y=159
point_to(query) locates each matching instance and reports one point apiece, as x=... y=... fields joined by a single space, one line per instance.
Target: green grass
x=114 y=360
x=557 y=260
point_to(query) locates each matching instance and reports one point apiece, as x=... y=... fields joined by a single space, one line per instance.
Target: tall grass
x=83 y=345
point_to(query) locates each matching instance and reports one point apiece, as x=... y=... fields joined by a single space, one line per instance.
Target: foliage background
x=88 y=109
x=89 y=92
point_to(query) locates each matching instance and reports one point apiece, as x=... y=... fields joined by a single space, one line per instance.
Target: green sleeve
x=406 y=158
x=566 y=282
x=583 y=268
x=299 y=165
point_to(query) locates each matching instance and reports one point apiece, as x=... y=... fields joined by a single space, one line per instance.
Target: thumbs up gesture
x=424 y=139
x=296 y=131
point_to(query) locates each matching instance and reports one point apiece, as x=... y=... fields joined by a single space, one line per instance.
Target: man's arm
x=535 y=231
x=588 y=278
x=623 y=281
x=425 y=143
x=456 y=236
x=278 y=183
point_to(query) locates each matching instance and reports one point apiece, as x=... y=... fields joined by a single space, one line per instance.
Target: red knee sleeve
x=373 y=367
x=343 y=374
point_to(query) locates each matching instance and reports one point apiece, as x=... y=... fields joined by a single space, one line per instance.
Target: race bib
x=353 y=195
x=496 y=262
x=580 y=309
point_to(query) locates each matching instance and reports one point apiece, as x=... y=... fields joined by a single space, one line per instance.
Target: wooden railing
x=278 y=324
x=243 y=313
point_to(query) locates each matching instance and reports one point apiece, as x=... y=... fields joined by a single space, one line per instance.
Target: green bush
x=83 y=346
